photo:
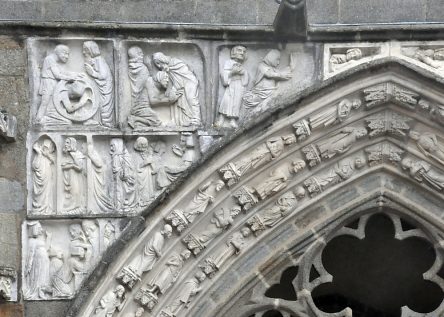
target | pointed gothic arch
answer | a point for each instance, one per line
(292, 181)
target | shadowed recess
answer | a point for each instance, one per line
(284, 289)
(379, 274)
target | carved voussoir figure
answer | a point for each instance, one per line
(264, 153)
(221, 221)
(423, 171)
(267, 77)
(331, 116)
(271, 216)
(342, 171)
(145, 261)
(180, 219)
(43, 177)
(235, 79)
(431, 57)
(235, 245)
(163, 280)
(189, 289)
(337, 144)
(111, 302)
(428, 144)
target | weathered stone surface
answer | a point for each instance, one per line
(11, 195)
(9, 241)
(39, 309)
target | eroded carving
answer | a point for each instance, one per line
(331, 116)
(388, 122)
(145, 261)
(383, 152)
(111, 302)
(423, 172)
(148, 296)
(383, 93)
(342, 171)
(7, 278)
(273, 148)
(330, 147)
(267, 77)
(189, 289)
(235, 245)
(180, 219)
(428, 144)
(431, 57)
(235, 80)
(8, 126)
(221, 221)
(271, 216)
(338, 61)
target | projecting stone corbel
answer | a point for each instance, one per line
(8, 126)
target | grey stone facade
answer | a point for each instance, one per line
(273, 128)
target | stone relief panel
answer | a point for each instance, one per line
(248, 77)
(427, 54)
(99, 175)
(164, 84)
(72, 83)
(58, 255)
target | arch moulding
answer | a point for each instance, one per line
(275, 194)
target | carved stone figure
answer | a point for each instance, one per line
(52, 73)
(338, 61)
(111, 302)
(221, 221)
(138, 313)
(184, 81)
(7, 278)
(383, 152)
(141, 112)
(265, 82)
(189, 289)
(99, 70)
(109, 235)
(62, 275)
(185, 149)
(144, 262)
(123, 176)
(278, 179)
(92, 235)
(37, 275)
(100, 191)
(423, 171)
(431, 57)
(74, 169)
(165, 174)
(145, 172)
(388, 122)
(180, 219)
(234, 246)
(43, 177)
(271, 216)
(81, 252)
(428, 144)
(342, 171)
(264, 153)
(8, 126)
(337, 144)
(235, 79)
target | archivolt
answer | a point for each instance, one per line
(353, 140)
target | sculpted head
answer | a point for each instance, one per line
(406, 163)
(414, 135)
(163, 79)
(297, 165)
(245, 232)
(135, 52)
(273, 58)
(62, 53)
(353, 54)
(139, 312)
(48, 146)
(116, 146)
(299, 192)
(359, 162)
(356, 104)
(91, 49)
(160, 60)
(141, 144)
(439, 54)
(239, 53)
(167, 231)
(36, 229)
(185, 254)
(289, 139)
(200, 276)
(361, 132)
(120, 290)
(89, 227)
(70, 145)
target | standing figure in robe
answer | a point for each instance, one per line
(265, 82)
(113, 300)
(423, 171)
(100, 191)
(123, 175)
(43, 177)
(99, 70)
(235, 79)
(341, 142)
(334, 114)
(141, 112)
(183, 79)
(74, 168)
(37, 275)
(428, 144)
(145, 171)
